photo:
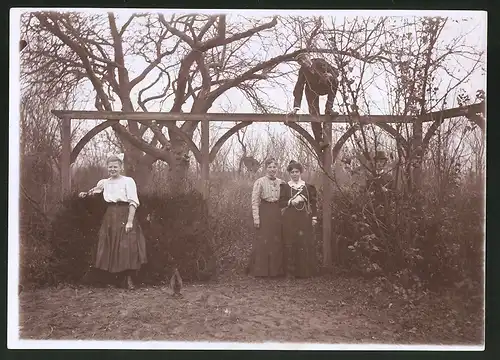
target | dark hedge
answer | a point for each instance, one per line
(177, 234)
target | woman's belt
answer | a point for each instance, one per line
(118, 203)
(269, 202)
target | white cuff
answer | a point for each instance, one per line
(133, 203)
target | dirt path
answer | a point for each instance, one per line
(244, 310)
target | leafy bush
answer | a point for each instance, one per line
(178, 235)
(74, 236)
(35, 252)
(175, 227)
(231, 223)
(442, 245)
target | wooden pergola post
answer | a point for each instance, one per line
(65, 156)
(327, 197)
(205, 158)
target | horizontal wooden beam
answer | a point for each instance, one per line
(240, 117)
(165, 116)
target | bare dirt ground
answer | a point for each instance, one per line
(243, 309)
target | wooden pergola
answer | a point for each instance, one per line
(204, 155)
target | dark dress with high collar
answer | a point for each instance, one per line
(300, 258)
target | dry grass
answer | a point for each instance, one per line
(325, 310)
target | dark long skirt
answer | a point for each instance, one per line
(267, 252)
(118, 251)
(300, 248)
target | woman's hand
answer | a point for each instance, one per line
(314, 221)
(128, 226)
(82, 194)
(256, 224)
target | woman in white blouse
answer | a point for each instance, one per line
(121, 247)
(267, 250)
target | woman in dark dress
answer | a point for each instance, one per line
(121, 247)
(267, 249)
(298, 203)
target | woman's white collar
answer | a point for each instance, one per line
(297, 184)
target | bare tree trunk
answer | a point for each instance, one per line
(139, 170)
(178, 172)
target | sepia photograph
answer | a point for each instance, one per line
(266, 179)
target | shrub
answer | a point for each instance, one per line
(35, 252)
(178, 235)
(440, 246)
(231, 222)
(74, 236)
(175, 227)
(37, 200)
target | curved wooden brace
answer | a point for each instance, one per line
(471, 114)
(477, 115)
(340, 142)
(102, 126)
(191, 145)
(394, 133)
(305, 135)
(218, 145)
(478, 120)
(88, 136)
(431, 132)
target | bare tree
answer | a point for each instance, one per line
(417, 73)
(95, 48)
(188, 59)
(416, 60)
(40, 144)
(247, 159)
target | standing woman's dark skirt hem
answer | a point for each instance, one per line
(267, 251)
(300, 247)
(119, 251)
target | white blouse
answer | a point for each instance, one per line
(297, 186)
(264, 189)
(118, 189)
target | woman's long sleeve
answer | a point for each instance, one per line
(256, 194)
(283, 201)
